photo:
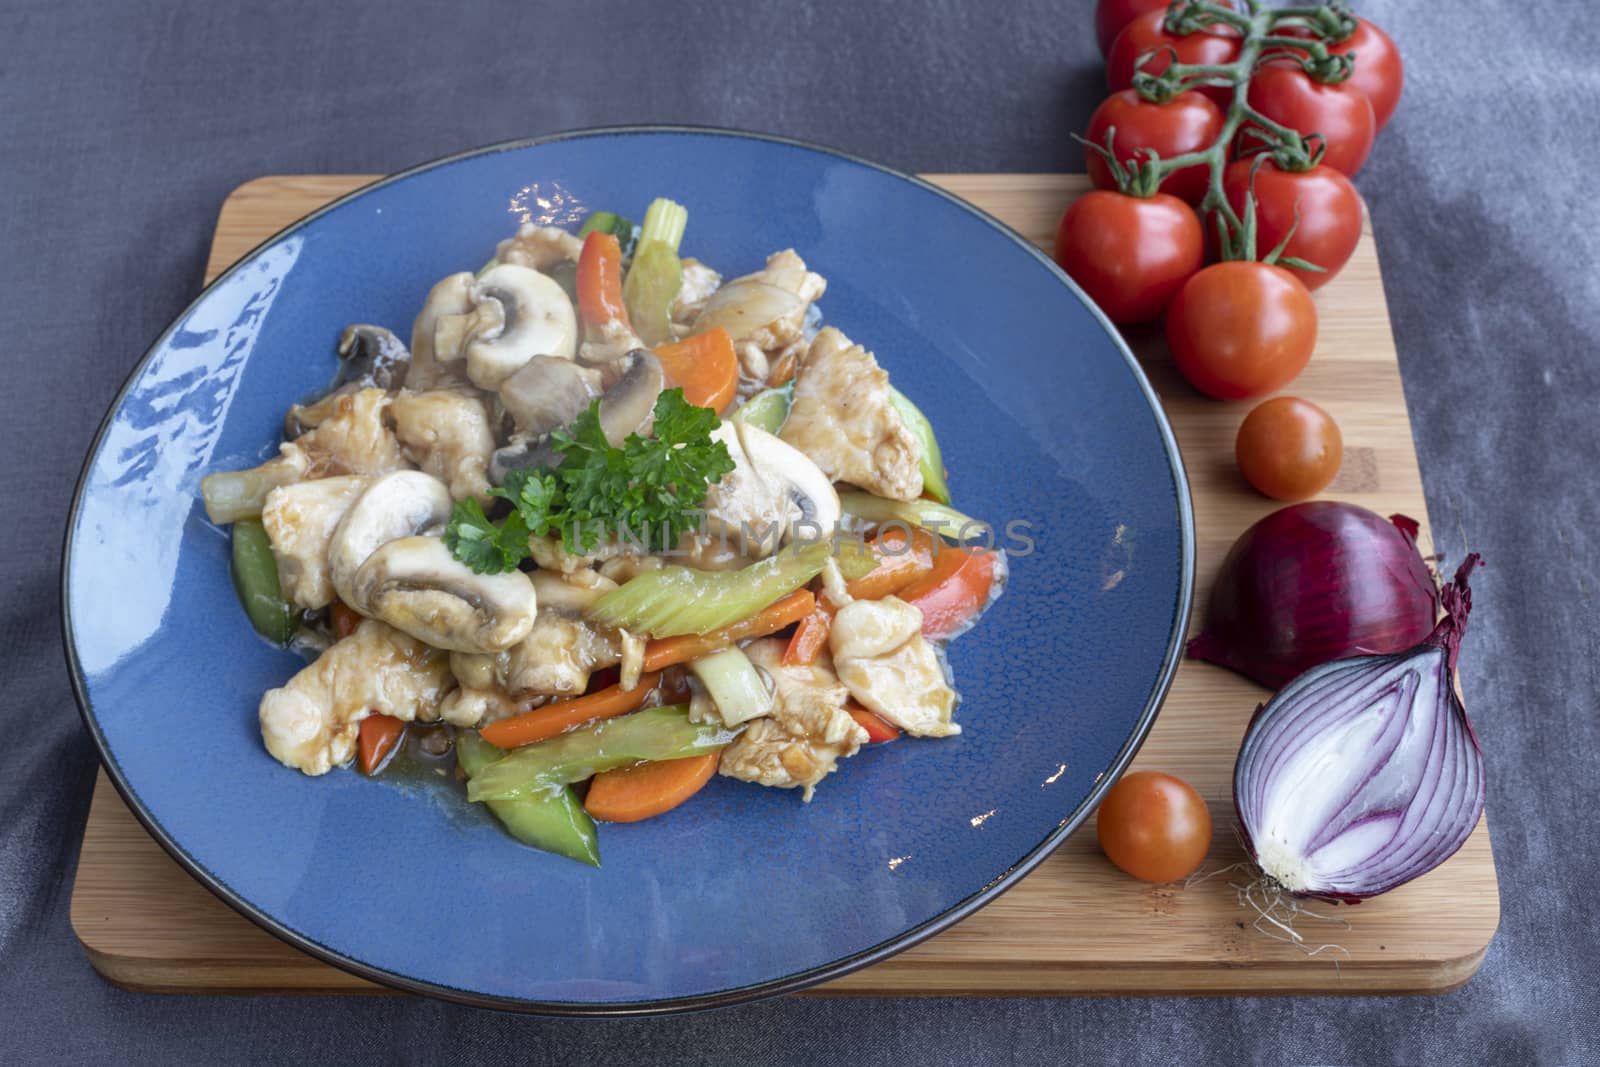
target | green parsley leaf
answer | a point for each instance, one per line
(650, 488)
(480, 544)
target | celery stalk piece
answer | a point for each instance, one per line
(553, 821)
(768, 409)
(938, 518)
(681, 600)
(233, 495)
(932, 459)
(656, 274)
(255, 579)
(734, 684)
(656, 734)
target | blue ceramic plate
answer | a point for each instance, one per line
(1045, 421)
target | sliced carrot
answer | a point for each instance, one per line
(557, 718)
(878, 728)
(630, 794)
(783, 612)
(902, 559)
(782, 371)
(810, 637)
(345, 619)
(705, 366)
(954, 591)
(600, 280)
(379, 738)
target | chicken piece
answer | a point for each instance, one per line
(358, 438)
(560, 653)
(808, 732)
(699, 282)
(311, 723)
(843, 418)
(477, 708)
(539, 247)
(754, 366)
(551, 554)
(446, 432)
(606, 346)
(300, 520)
(786, 270)
(881, 655)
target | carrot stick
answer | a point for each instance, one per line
(345, 619)
(785, 611)
(379, 736)
(543, 723)
(600, 280)
(878, 729)
(810, 637)
(629, 794)
(899, 563)
(955, 590)
(705, 366)
(782, 371)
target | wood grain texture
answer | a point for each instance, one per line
(1075, 925)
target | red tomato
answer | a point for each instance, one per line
(1154, 826)
(1131, 255)
(1320, 207)
(1340, 114)
(1379, 71)
(1288, 448)
(1189, 122)
(1110, 16)
(1148, 34)
(1241, 329)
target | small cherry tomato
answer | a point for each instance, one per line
(1318, 210)
(1379, 71)
(1130, 254)
(1189, 122)
(1340, 115)
(1147, 33)
(1110, 16)
(1154, 827)
(1240, 329)
(1289, 448)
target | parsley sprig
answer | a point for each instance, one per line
(651, 487)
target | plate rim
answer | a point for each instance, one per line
(784, 984)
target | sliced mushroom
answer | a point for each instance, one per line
(627, 407)
(773, 495)
(415, 585)
(516, 314)
(547, 393)
(450, 298)
(396, 505)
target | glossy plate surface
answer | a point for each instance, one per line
(1045, 421)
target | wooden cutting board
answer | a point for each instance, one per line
(1075, 925)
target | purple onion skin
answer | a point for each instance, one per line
(1456, 600)
(1316, 582)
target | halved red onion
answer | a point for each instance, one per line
(1364, 773)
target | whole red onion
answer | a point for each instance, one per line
(1316, 582)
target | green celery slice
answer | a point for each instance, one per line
(932, 459)
(656, 734)
(255, 579)
(930, 515)
(769, 409)
(552, 821)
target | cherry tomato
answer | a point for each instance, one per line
(1241, 329)
(1379, 71)
(1289, 448)
(1148, 34)
(1154, 826)
(1319, 211)
(1189, 122)
(1131, 255)
(1110, 16)
(1340, 114)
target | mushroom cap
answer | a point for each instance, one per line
(396, 505)
(548, 392)
(519, 314)
(415, 585)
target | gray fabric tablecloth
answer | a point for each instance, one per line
(123, 125)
